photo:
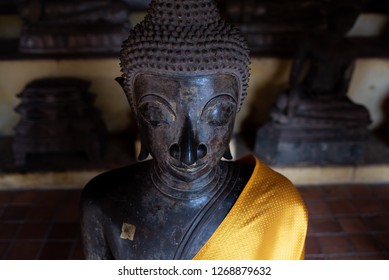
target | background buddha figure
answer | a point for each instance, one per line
(314, 121)
(185, 74)
(321, 73)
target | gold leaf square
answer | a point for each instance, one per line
(128, 231)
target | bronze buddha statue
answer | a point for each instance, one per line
(185, 73)
(319, 91)
(314, 121)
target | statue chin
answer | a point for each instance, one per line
(181, 172)
(189, 173)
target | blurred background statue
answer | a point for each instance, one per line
(314, 120)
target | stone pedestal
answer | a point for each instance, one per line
(58, 116)
(279, 144)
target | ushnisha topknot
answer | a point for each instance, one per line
(184, 37)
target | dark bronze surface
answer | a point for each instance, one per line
(165, 227)
(185, 73)
(176, 200)
(186, 121)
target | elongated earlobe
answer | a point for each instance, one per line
(227, 153)
(144, 151)
(120, 81)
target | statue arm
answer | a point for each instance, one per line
(346, 79)
(297, 66)
(294, 78)
(94, 241)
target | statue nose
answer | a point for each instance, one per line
(188, 150)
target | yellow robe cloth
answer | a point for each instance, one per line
(267, 222)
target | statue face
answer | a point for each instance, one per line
(186, 121)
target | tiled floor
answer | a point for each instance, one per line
(345, 222)
(40, 225)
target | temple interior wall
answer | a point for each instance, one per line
(269, 77)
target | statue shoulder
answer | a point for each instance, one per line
(113, 182)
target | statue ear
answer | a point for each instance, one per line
(227, 154)
(120, 81)
(144, 152)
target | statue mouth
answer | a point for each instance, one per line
(186, 181)
(194, 168)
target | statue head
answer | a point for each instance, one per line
(185, 74)
(342, 16)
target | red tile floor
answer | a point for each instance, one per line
(345, 222)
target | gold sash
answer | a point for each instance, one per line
(267, 222)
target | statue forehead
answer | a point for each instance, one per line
(185, 86)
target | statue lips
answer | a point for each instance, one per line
(189, 172)
(194, 168)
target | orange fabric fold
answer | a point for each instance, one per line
(267, 222)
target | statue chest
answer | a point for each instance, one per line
(155, 227)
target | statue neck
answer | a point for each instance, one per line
(204, 186)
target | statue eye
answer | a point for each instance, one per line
(156, 114)
(219, 111)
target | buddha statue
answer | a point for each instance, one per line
(185, 74)
(319, 80)
(314, 121)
